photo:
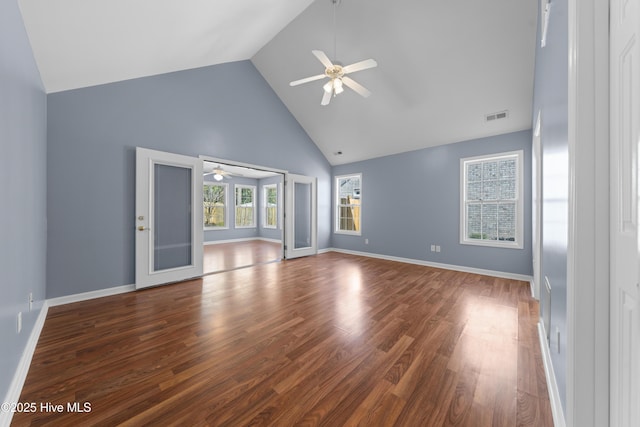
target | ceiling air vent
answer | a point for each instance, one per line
(496, 116)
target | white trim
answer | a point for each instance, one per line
(225, 185)
(532, 286)
(464, 269)
(245, 239)
(84, 296)
(15, 389)
(552, 385)
(587, 322)
(263, 207)
(254, 205)
(519, 201)
(241, 164)
(336, 230)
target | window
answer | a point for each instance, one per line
(245, 206)
(270, 205)
(491, 200)
(215, 206)
(348, 204)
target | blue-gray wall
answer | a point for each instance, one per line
(412, 200)
(23, 211)
(551, 92)
(225, 111)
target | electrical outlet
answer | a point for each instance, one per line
(366, 241)
(437, 248)
(433, 248)
(19, 323)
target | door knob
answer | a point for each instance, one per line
(142, 228)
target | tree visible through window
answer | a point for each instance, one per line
(270, 206)
(215, 205)
(491, 200)
(245, 206)
(348, 204)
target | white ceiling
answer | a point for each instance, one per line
(442, 65)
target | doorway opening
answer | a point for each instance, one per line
(243, 215)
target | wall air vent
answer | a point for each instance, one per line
(496, 116)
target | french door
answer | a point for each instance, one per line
(300, 216)
(168, 217)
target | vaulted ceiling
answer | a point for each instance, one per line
(442, 66)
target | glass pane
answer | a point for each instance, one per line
(507, 189)
(474, 191)
(490, 190)
(474, 172)
(490, 221)
(507, 222)
(302, 218)
(474, 221)
(214, 205)
(507, 168)
(245, 207)
(173, 243)
(489, 170)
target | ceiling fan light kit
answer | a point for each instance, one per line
(336, 73)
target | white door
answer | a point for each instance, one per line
(625, 243)
(300, 216)
(168, 217)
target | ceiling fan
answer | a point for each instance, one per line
(336, 73)
(219, 174)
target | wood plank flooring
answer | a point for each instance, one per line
(330, 340)
(232, 255)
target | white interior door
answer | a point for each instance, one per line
(300, 216)
(168, 217)
(625, 243)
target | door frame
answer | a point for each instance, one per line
(290, 250)
(282, 200)
(587, 397)
(145, 225)
(536, 214)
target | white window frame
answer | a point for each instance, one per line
(519, 200)
(265, 206)
(226, 206)
(336, 181)
(235, 205)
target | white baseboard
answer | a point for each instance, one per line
(244, 239)
(501, 274)
(13, 394)
(90, 295)
(552, 385)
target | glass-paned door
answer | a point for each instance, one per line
(168, 217)
(301, 230)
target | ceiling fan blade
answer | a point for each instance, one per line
(356, 86)
(359, 66)
(322, 57)
(307, 80)
(326, 98)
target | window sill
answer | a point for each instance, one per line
(493, 244)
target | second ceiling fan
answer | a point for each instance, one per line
(336, 73)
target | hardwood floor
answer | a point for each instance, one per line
(228, 256)
(327, 340)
